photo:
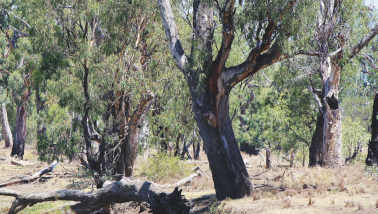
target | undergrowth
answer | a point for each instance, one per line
(163, 167)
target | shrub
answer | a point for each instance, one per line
(163, 167)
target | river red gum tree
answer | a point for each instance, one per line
(210, 98)
(327, 140)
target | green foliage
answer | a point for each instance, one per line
(372, 171)
(42, 207)
(162, 166)
(353, 135)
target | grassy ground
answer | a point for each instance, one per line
(307, 190)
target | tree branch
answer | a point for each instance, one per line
(309, 53)
(219, 63)
(364, 41)
(367, 57)
(16, 17)
(172, 35)
(317, 99)
(235, 74)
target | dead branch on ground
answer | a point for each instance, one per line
(259, 173)
(182, 182)
(32, 177)
(268, 185)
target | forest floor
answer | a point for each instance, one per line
(347, 189)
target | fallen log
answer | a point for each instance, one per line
(32, 177)
(121, 191)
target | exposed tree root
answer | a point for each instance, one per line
(32, 177)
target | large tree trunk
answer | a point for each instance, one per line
(316, 149)
(20, 136)
(372, 157)
(332, 140)
(229, 173)
(5, 124)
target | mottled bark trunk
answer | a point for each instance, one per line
(5, 125)
(268, 161)
(292, 158)
(332, 140)
(316, 148)
(372, 157)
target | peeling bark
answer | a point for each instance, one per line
(268, 162)
(5, 125)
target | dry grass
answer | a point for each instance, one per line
(286, 203)
(351, 190)
(350, 204)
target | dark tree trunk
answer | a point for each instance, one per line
(229, 174)
(20, 136)
(304, 157)
(94, 149)
(316, 148)
(8, 138)
(372, 157)
(197, 153)
(194, 150)
(177, 149)
(40, 104)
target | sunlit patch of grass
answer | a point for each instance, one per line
(41, 207)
